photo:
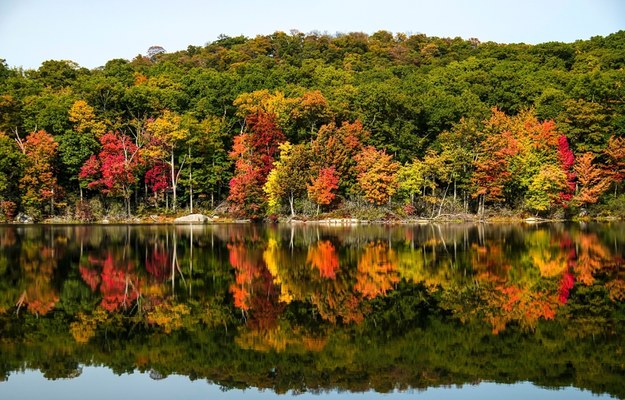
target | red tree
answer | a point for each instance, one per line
(254, 152)
(321, 188)
(158, 179)
(114, 171)
(491, 168)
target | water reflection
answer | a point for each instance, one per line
(347, 299)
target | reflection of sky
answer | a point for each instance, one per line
(100, 383)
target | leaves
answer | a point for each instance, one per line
(254, 153)
(377, 174)
(593, 180)
(39, 183)
(321, 187)
(114, 170)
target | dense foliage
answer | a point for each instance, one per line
(429, 125)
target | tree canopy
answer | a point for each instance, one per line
(425, 101)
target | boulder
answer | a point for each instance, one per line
(192, 219)
(24, 219)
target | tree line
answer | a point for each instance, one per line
(300, 124)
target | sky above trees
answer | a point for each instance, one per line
(93, 32)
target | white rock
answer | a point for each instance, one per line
(192, 218)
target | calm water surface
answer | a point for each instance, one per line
(433, 311)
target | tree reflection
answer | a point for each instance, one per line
(172, 277)
(114, 277)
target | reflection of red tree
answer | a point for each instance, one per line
(254, 290)
(567, 281)
(566, 284)
(90, 276)
(245, 270)
(117, 283)
(158, 264)
(323, 256)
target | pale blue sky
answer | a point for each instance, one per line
(91, 32)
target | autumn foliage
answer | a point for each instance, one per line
(254, 153)
(377, 174)
(321, 188)
(114, 171)
(39, 183)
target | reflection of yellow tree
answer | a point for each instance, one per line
(38, 264)
(417, 265)
(546, 254)
(274, 258)
(168, 316)
(377, 270)
(280, 338)
(84, 328)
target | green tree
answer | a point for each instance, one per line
(209, 157)
(11, 169)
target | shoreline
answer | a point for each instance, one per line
(207, 220)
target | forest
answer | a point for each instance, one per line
(293, 125)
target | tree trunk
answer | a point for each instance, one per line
(291, 199)
(440, 208)
(190, 184)
(454, 190)
(173, 182)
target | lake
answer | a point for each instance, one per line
(350, 312)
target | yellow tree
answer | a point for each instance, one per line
(288, 177)
(267, 102)
(164, 135)
(545, 188)
(82, 116)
